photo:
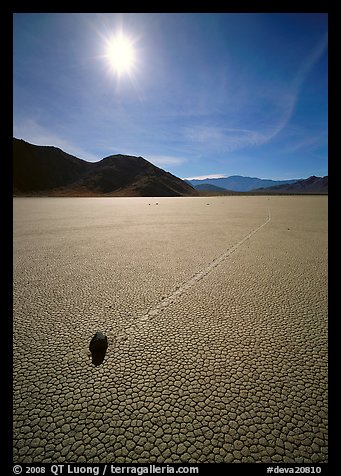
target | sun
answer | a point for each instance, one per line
(121, 54)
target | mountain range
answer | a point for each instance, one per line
(238, 183)
(312, 184)
(47, 170)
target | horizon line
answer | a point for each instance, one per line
(217, 176)
(196, 177)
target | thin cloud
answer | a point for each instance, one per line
(166, 160)
(311, 60)
(203, 177)
(281, 102)
(228, 139)
(32, 132)
(302, 140)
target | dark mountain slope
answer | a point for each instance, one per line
(38, 168)
(50, 171)
(122, 173)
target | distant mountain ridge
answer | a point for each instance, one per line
(207, 187)
(238, 183)
(312, 184)
(47, 170)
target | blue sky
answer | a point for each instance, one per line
(207, 95)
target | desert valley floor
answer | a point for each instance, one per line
(215, 309)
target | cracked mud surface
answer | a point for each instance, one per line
(216, 319)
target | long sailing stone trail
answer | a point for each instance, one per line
(166, 301)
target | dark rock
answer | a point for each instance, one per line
(99, 341)
(98, 347)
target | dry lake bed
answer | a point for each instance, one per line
(215, 310)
